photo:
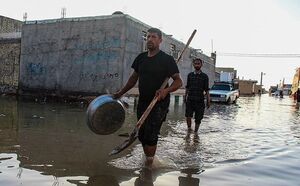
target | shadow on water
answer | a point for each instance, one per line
(50, 144)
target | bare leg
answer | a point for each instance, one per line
(149, 152)
(189, 123)
(197, 125)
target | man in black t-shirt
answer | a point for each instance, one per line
(151, 68)
(196, 88)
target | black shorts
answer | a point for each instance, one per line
(149, 131)
(196, 107)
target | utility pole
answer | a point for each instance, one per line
(63, 12)
(261, 79)
(25, 17)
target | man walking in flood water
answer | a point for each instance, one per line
(151, 68)
(196, 88)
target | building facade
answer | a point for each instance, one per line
(247, 87)
(90, 55)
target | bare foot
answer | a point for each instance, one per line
(189, 130)
(149, 162)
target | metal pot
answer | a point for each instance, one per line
(105, 115)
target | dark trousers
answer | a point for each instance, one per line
(196, 107)
(149, 131)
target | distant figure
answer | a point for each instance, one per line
(281, 94)
(196, 88)
(298, 98)
(151, 68)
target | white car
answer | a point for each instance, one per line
(223, 92)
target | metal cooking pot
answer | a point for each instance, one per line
(105, 115)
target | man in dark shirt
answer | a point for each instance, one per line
(151, 68)
(196, 88)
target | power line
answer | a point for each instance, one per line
(259, 55)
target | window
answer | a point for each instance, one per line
(173, 51)
(144, 44)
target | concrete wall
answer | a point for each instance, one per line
(9, 65)
(72, 55)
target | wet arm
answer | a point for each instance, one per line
(207, 99)
(176, 84)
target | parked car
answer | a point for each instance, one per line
(276, 93)
(223, 92)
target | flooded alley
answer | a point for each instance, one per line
(253, 142)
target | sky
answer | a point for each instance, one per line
(232, 28)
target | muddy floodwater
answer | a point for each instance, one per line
(253, 142)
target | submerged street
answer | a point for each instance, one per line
(253, 142)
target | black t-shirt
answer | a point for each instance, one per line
(152, 72)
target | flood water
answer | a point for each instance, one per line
(253, 142)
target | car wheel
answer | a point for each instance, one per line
(229, 100)
(234, 101)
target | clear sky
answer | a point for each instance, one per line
(224, 26)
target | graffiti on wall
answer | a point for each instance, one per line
(35, 69)
(87, 58)
(97, 77)
(100, 56)
(99, 45)
(75, 43)
(106, 56)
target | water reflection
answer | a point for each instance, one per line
(145, 178)
(102, 180)
(50, 144)
(189, 180)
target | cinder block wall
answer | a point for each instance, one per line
(9, 65)
(8, 25)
